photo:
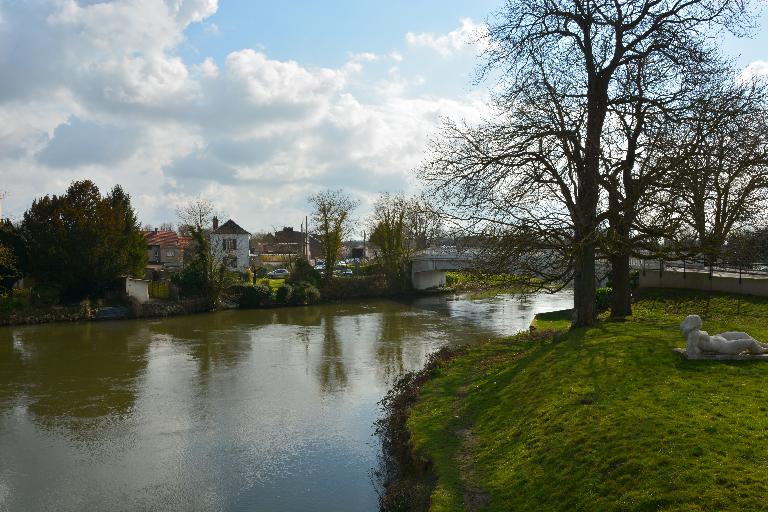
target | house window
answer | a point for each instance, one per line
(230, 261)
(230, 244)
(170, 254)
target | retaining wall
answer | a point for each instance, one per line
(693, 280)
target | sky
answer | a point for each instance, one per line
(253, 105)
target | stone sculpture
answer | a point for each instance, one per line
(726, 345)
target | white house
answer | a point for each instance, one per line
(230, 244)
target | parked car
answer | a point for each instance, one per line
(345, 272)
(279, 273)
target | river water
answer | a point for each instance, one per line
(254, 410)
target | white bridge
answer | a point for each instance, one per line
(428, 267)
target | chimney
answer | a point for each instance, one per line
(215, 222)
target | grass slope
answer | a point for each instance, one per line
(605, 419)
(482, 286)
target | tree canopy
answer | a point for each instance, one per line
(331, 223)
(80, 242)
(583, 87)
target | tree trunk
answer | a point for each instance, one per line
(621, 299)
(587, 197)
(584, 286)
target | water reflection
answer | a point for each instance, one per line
(332, 371)
(214, 341)
(75, 371)
(240, 410)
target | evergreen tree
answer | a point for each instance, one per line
(80, 242)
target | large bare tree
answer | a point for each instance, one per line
(718, 164)
(207, 269)
(331, 223)
(535, 172)
(400, 226)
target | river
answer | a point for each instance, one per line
(253, 410)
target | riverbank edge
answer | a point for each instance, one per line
(85, 313)
(164, 309)
(405, 477)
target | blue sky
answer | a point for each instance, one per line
(251, 104)
(324, 33)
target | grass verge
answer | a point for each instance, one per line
(607, 418)
(482, 286)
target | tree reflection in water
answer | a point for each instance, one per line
(332, 371)
(216, 340)
(71, 377)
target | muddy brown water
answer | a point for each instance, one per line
(241, 410)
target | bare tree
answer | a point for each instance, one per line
(423, 224)
(561, 61)
(718, 164)
(387, 226)
(331, 223)
(197, 214)
(649, 99)
(195, 220)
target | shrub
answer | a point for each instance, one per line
(304, 293)
(236, 291)
(23, 296)
(191, 280)
(603, 298)
(45, 296)
(283, 294)
(8, 303)
(303, 272)
(368, 269)
(355, 287)
(312, 294)
(257, 296)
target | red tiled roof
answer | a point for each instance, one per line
(164, 238)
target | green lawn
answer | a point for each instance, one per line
(482, 286)
(273, 284)
(605, 419)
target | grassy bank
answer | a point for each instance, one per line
(479, 286)
(605, 418)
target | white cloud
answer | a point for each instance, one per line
(470, 36)
(758, 68)
(77, 143)
(97, 90)
(208, 68)
(267, 81)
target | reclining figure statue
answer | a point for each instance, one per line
(730, 343)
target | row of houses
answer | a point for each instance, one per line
(167, 251)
